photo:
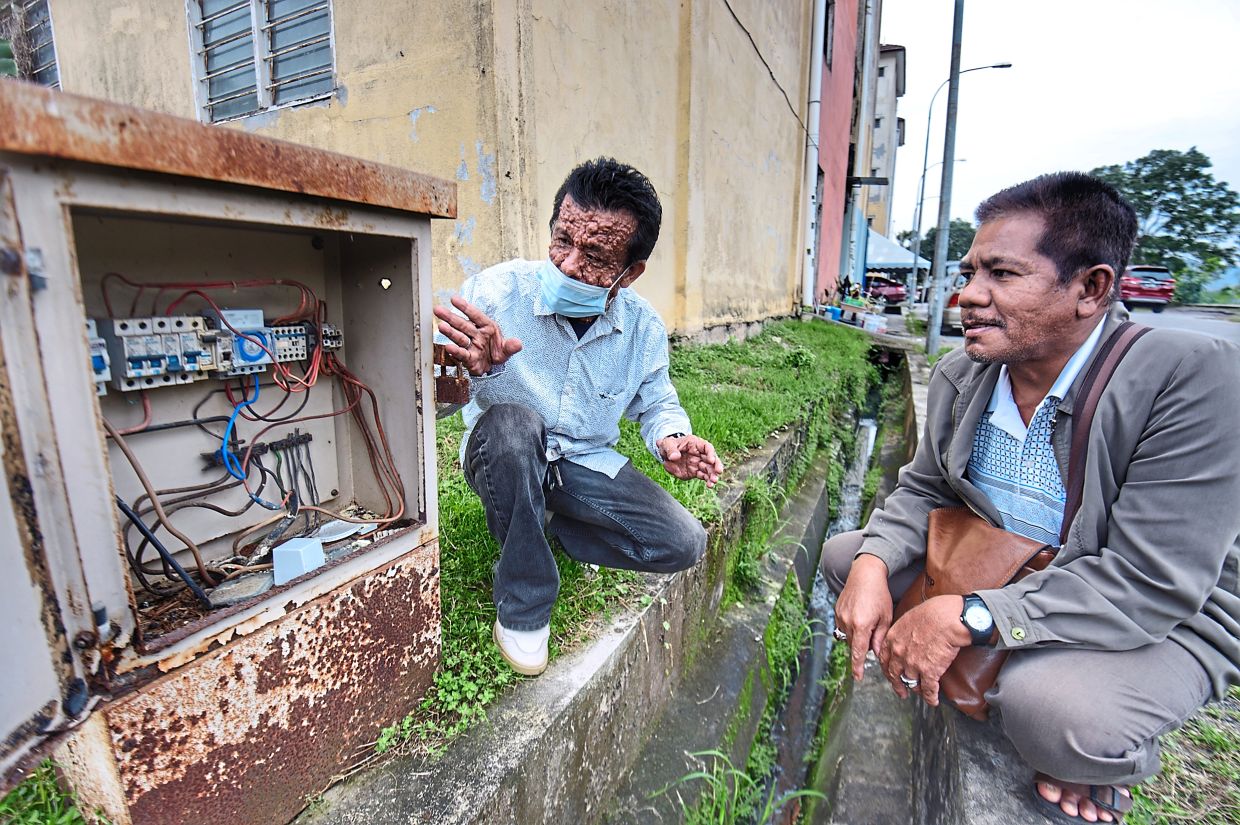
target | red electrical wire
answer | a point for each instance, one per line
(146, 416)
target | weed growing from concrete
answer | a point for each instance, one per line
(39, 800)
(730, 794)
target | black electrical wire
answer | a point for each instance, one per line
(195, 500)
(163, 552)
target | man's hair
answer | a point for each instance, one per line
(1087, 222)
(608, 184)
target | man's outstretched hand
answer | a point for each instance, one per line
(863, 610)
(688, 456)
(476, 340)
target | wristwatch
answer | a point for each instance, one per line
(976, 617)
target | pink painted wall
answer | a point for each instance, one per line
(835, 129)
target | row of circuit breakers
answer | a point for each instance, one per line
(145, 353)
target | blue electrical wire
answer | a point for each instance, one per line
(231, 464)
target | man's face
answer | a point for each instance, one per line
(1013, 308)
(592, 245)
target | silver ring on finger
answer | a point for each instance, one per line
(909, 683)
(839, 635)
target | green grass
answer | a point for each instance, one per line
(39, 801)
(731, 795)
(1200, 778)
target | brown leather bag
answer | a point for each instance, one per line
(965, 553)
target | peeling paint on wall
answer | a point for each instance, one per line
(413, 118)
(464, 230)
(342, 94)
(444, 296)
(469, 266)
(486, 171)
(462, 171)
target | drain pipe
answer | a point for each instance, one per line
(809, 271)
(865, 134)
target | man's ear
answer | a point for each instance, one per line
(1097, 290)
(635, 272)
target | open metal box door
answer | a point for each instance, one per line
(43, 689)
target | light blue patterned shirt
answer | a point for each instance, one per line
(1015, 465)
(580, 387)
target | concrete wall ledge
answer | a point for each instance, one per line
(556, 747)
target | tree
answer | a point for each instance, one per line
(1188, 221)
(959, 238)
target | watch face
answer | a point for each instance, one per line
(977, 617)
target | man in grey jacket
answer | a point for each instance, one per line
(1136, 623)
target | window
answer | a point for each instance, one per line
(252, 55)
(829, 34)
(27, 24)
(882, 70)
(878, 123)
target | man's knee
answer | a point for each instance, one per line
(837, 558)
(681, 546)
(1055, 717)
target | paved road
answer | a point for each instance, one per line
(1223, 324)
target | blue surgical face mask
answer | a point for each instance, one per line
(574, 299)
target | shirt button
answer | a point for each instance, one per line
(1018, 633)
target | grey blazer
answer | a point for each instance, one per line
(1154, 551)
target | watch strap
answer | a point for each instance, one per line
(979, 637)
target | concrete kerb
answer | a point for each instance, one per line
(557, 746)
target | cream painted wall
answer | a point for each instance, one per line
(132, 51)
(505, 96)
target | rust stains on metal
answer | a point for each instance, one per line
(249, 732)
(451, 379)
(39, 121)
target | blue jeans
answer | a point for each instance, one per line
(627, 522)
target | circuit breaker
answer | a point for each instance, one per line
(224, 545)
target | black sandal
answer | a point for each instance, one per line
(1106, 797)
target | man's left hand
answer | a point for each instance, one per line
(688, 456)
(922, 644)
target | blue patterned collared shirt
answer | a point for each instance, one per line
(580, 387)
(1015, 465)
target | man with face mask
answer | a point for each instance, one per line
(558, 351)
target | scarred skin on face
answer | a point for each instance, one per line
(592, 245)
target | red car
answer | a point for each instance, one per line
(1148, 285)
(892, 292)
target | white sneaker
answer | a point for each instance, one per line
(525, 651)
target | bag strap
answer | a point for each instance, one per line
(1112, 352)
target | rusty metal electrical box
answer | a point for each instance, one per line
(217, 411)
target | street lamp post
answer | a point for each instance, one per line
(921, 188)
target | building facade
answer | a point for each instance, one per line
(888, 136)
(859, 135)
(505, 97)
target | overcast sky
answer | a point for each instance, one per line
(1093, 82)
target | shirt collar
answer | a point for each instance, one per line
(1004, 413)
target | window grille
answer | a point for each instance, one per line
(252, 55)
(28, 25)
